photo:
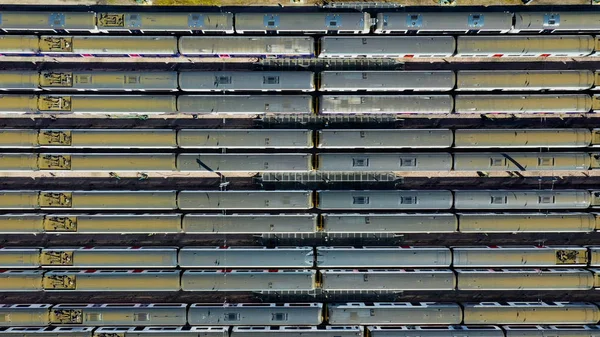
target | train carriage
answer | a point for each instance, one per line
(107, 104)
(573, 222)
(243, 139)
(524, 80)
(109, 257)
(519, 256)
(520, 161)
(303, 23)
(524, 279)
(89, 223)
(378, 104)
(544, 330)
(109, 45)
(240, 46)
(249, 280)
(380, 162)
(47, 331)
(387, 47)
(398, 313)
(521, 199)
(249, 223)
(387, 279)
(522, 104)
(383, 139)
(443, 22)
(390, 223)
(20, 280)
(82, 21)
(108, 80)
(396, 200)
(238, 200)
(24, 315)
(435, 331)
(293, 162)
(112, 280)
(256, 314)
(386, 80)
(118, 314)
(244, 104)
(525, 46)
(99, 200)
(297, 331)
(96, 162)
(522, 138)
(531, 313)
(383, 257)
(210, 81)
(556, 22)
(194, 22)
(246, 257)
(163, 331)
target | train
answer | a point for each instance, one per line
(298, 139)
(299, 81)
(295, 200)
(116, 105)
(301, 162)
(299, 223)
(327, 47)
(301, 280)
(300, 314)
(292, 258)
(359, 23)
(308, 331)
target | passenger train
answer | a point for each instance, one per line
(298, 138)
(434, 46)
(292, 258)
(355, 200)
(300, 81)
(300, 314)
(404, 22)
(115, 105)
(301, 162)
(308, 331)
(328, 280)
(299, 223)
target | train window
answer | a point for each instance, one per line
(408, 200)
(408, 161)
(546, 161)
(364, 41)
(141, 317)
(223, 80)
(360, 162)
(546, 199)
(499, 200)
(232, 316)
(372, 312)
(270, 79)
(279, 316)
(93, 317)
(360, 200)
(271, 23)
(364, 76)
(3, 318)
